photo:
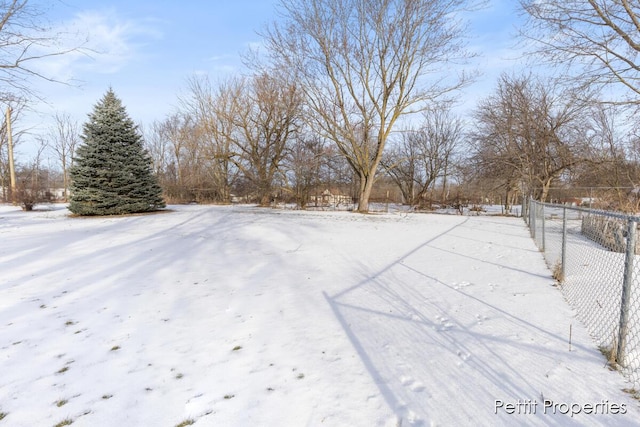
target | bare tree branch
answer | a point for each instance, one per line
(598, 41)
(364, 64)
(25, 40)
(530, 132)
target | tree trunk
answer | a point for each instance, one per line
(265, 201)
(444, 185)
(366, 185)
(545, 190)
(507, 199)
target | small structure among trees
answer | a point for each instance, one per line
(112, 171)
(331, 197)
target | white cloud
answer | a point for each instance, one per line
(217, 58)
(114, 42)
(106, 42)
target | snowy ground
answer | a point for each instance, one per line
(239, 316)
(593, 282)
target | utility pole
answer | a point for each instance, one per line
(12, 169)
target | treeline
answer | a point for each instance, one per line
(530, 138)
(244, 139)
(247, 140)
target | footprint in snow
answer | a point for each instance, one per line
(411, 418)
(444, 324)
(481, 318)
(462, 284)
(417, 387)
(463, 355)
(406, 381)
(415, 317)
(412, 384)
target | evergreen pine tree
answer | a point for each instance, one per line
(112, 172)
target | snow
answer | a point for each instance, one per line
(240, 316)
(593, 285)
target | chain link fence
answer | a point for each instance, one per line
(593, 255)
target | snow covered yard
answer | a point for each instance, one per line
(239, 316)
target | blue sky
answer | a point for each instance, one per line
(147, 49)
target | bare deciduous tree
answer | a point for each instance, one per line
(423, 156)
(179, 139)
(17, 108)
(611, 169)
(530, 132)
(264, 121)
(159, 150)
(32, 182)
(363, 64)
(63, 139)
(304, 165)
(212, 109)
(599, 39)
(24, 40)
(401, 163)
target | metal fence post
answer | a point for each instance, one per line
(563, 256)
(543, 230)
(533, 208)
(626, 291)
